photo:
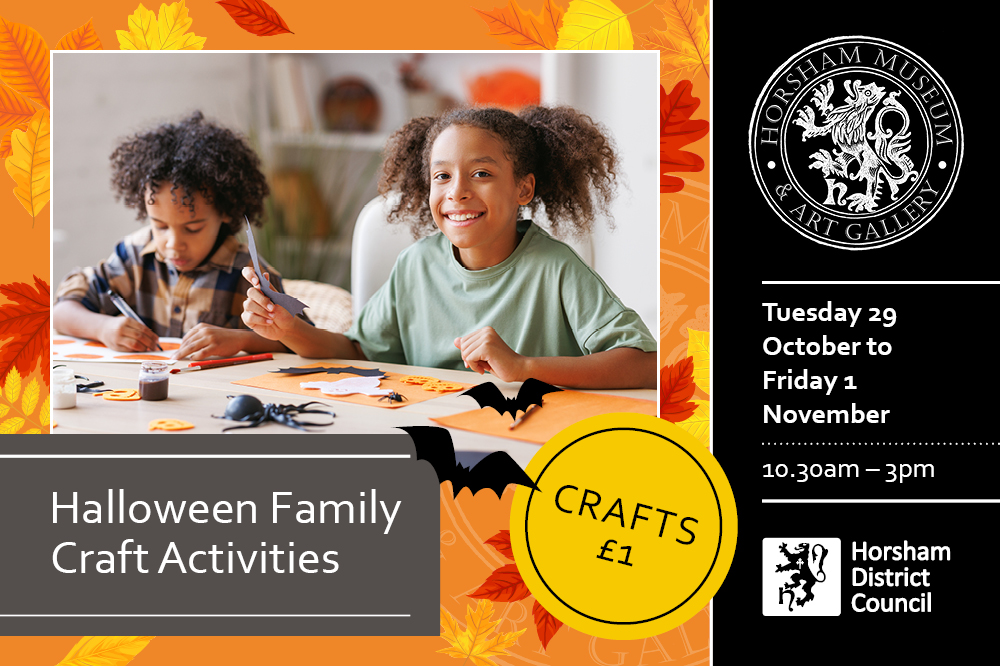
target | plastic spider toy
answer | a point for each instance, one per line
(250, 409)
(392, 397)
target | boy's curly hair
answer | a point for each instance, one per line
(194, 155)
(572, 157)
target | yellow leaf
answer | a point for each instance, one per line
(684, 46)
(449, 626)
(698, 348)
(43, 414)
(30, 398)
(594, 24)
(697, 423)
(168, 31)
(498, 645)
(33, 431)
(474, 644)
(11, 426)
(105, 650)
(3, 410)
(12, 386)
(28, 163)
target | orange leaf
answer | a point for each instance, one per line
(83, 38)
(24, 325)
(501, 541)
(24, 61)
(676, 131)
(14, 109)
(546, 624)
(256, 16)
(676, 388)
(504, 584)
(523, 28)
(5, 149)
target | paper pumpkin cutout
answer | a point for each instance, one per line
(442, 387)
(121, 394)
(293, 305)
(365, 385)
(332, 370)
(417, 380)
(169, 424)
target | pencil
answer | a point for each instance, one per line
(126, 310)
(221, 363)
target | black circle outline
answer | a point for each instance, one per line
(527, 512)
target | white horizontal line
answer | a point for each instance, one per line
(880, 501)
(207, 455)
(219, 615)
(765, 282)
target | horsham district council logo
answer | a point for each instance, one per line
(856, 142)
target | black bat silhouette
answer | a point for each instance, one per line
(495, 471)
(488, 395)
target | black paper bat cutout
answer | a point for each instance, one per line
(495, 471)
(361, 372)
(488, 395)
(293, 305)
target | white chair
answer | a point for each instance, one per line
(377, 243)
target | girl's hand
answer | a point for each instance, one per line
(124, 334)
(261, 315)
(205, 340)
(485, 351)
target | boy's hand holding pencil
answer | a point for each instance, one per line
(125, 334)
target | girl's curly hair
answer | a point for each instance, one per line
(194, 155)
(572, 157)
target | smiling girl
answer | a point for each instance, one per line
(194, 181)
(492, 292)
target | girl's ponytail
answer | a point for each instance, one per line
(403, 170)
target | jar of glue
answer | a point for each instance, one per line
(63, 388)
(154, 378)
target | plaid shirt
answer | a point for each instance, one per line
(169, 302)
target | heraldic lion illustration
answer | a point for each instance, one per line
(886, 160)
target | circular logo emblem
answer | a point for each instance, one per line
(632, 530)
(856, 142)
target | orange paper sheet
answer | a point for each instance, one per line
(290, 384)
(558, 411)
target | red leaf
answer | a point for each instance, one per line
(501, 541)
(504, 584)
(256, 16)
(676, 388)
(676, 131)
(545, 624)
(24, 324)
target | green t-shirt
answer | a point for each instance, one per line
(543, 300)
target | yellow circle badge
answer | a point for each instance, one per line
(632, 529)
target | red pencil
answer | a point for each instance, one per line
(221, 363)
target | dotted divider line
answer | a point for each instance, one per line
(880, 443)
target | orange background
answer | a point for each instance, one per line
(684, 291)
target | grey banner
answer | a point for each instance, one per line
(354, 553)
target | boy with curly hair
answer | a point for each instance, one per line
(195, 181)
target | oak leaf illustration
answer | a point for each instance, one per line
(523, 28)
(83, 38)
(28, 163)
(698, 348)
(684, 45)
(504, 584)
(256, 16)
(676, 389)
(24, 61)
(14, 108)
(594, 24)
(24, 328)
(546, 623)
(167, 31)
(501, 541)
(105, 650)
(475, 644)
(677, 130)
(697, 424)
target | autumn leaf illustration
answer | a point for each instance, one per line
(677, 130)
(684, 45)
(504, 584)
(474, 644)
(546, 624)
(43, 413)
(697, 424)
(523, 28)
(14, 109)
(12, 386)
(256, 16)
(501, 541)
(83, 38)
(5, 147)
(167, 31)
(594, 24)
(24, 61)
(698, 348)
(28, 164)
(105, 650)
(676, 389)
(24, 328)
